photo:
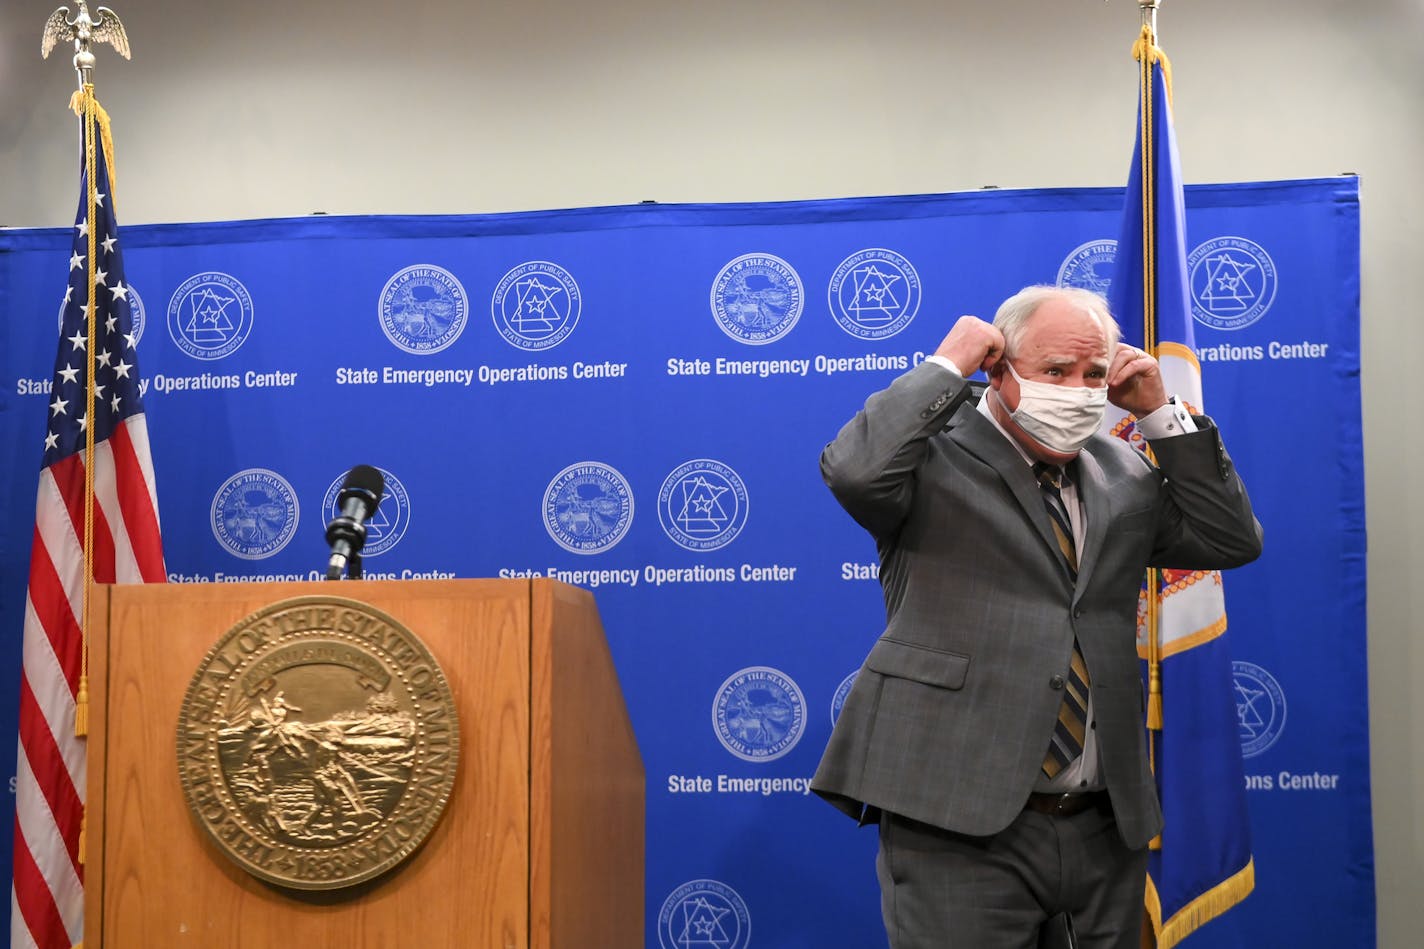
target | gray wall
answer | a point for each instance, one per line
(261, 108)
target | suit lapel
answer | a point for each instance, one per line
(978, 436)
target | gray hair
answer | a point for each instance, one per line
(1014, 313)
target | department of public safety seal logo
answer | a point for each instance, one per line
(842, 692)
(757, 299)
(254, 513)
(137, 317)
(536, 305)
(318, 743)
(702, 505)
(385, 527)
(1089, 266)
(423, 309)
(588, 507)
(704, 914)
(874, 293)
(1260, 707)
(1233, 282)
(759, 714)
(210, 315)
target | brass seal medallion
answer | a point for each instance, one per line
(317, 743)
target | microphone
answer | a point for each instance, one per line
(359, 497)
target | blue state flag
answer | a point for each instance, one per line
(1201, 865)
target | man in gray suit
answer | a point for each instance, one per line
(995, 731)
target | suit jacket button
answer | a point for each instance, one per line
(1056, 683)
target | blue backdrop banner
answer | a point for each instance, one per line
(634, 400)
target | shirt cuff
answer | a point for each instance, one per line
(1170, 419)
(944, 361)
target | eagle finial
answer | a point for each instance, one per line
(84, 30)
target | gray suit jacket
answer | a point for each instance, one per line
(951, 714)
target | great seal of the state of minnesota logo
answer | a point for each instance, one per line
(759, 713)
(318, 743)
(423, 309)
(588, 507)
(757, 299)
(1089, 266)
(255, 513)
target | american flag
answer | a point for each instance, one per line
(47, 899)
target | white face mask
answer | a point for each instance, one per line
(1061, 418)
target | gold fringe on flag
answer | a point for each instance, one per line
(1201, 910)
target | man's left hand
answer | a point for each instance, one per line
(1135, 381)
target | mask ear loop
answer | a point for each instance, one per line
(1008, 412)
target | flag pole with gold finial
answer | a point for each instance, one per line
(1146, 52)
(86, 31)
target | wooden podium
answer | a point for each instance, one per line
(540, 845)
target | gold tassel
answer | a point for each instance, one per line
(1146, 45)
(106, 133)
(1154, 695)
(83, 835)
(81, 708)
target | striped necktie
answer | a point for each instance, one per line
(1050, 478)
(1069, 732)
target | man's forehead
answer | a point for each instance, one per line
(1066, 335)
(1059, 359)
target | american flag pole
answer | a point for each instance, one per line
(81, 706)
(85, 31)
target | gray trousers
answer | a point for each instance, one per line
(942, 890)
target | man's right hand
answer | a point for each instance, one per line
(972, 345)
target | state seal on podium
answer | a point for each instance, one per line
(318, 743)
